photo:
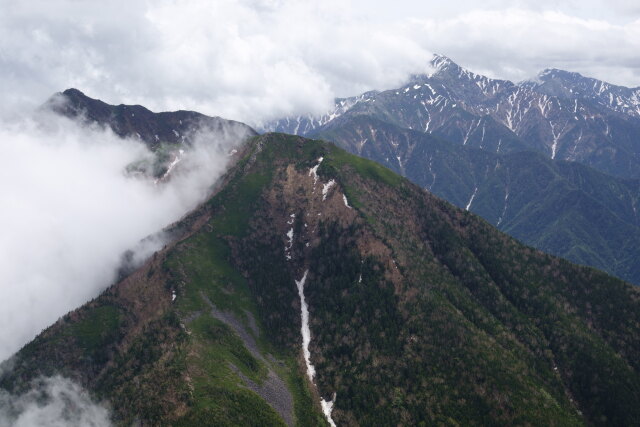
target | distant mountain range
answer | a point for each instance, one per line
(318, 288)
(560, 114)
(550, 161)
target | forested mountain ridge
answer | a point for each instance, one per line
(563, 208)
(417, 312)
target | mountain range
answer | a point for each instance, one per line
(560, 114)
(492, 146)
(315, 287)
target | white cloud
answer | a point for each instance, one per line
(253, 60)
(242, 59)
(52, 402)
(518, 43)
(69, 213)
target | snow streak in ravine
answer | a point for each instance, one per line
(327, 406)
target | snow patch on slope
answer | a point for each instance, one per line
(306, 332)
(327, 406)
(289, 245)
(473, 196)
(346, 202)
(176, 159)
(326, 187)
(314, 171)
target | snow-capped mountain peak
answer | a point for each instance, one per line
(561, 114)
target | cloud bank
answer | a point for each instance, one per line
(254, 60)
(52, 402)
(518, 43)
(247, 60)
(70, 212)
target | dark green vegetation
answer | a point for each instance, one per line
(563, 208)
(420, 313)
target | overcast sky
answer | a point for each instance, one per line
(257, 59)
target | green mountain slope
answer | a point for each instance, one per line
(563, 208)
(419, 313)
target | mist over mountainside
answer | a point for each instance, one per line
(563, 115)
(83, 203)
(167, 134)
(317, 287)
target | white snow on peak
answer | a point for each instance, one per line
(326, 187)
(556, 136)
(346, 202)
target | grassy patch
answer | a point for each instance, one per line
(222, 346)
(223, 407)
(238, 202)
(303, 405)
(366, 168)
(204, 261)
